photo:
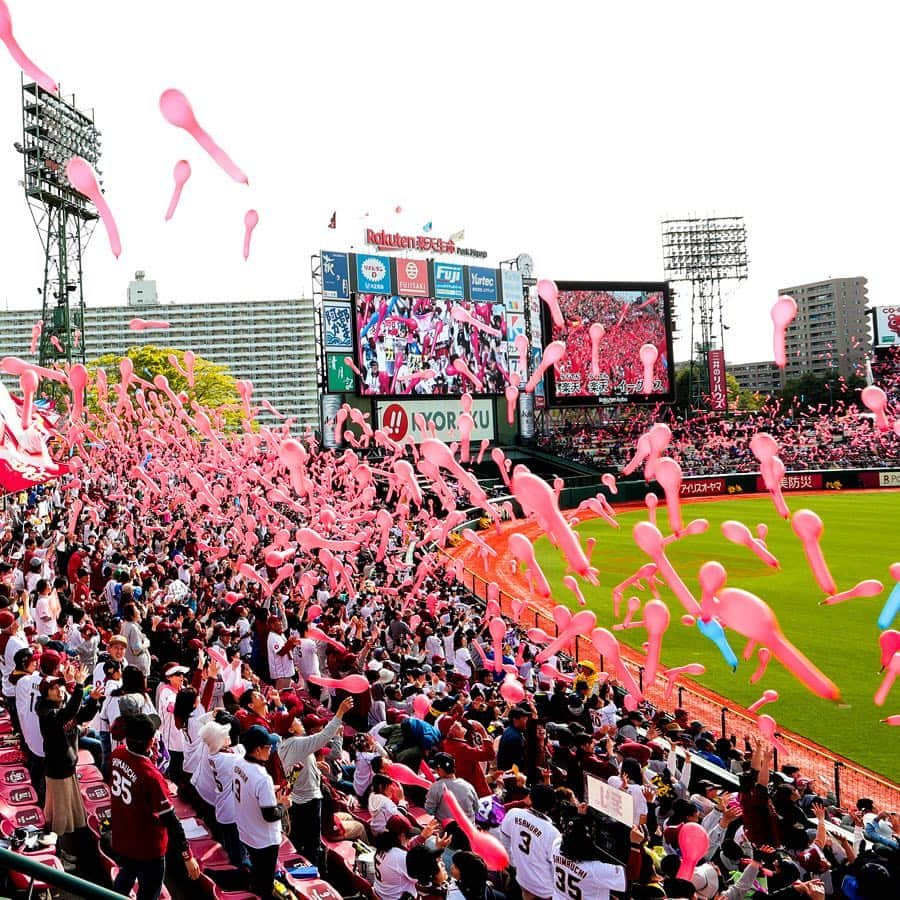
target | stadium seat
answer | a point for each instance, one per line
(12, 756)
(96, 799)
(22, 883)
(88, 773)
(17, 796)
(14, 775)
(21, 817)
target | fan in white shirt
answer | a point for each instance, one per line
(530, 838)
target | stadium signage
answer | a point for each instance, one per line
(448, 281)
(398, 419)
(387, 240)
(702, 487)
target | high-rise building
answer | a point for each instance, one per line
(272, 343)
(831, 332)
(760, 377)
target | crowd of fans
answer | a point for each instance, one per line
(839, 435)
(179, 620)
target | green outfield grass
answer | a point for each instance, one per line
(862, 538)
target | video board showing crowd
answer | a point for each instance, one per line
(412, 326)
(632, 314)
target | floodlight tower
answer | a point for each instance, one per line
(707, 253)
(54, 131)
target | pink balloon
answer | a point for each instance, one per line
(177, 111)
(511, 690)
(893, 670)
(870, 587)
(549, 293)
(809, 528)
(231, 597)
(609, 480)
(28, 382)
(750, 616)
(251, 220)
(522, 551)
(596, 333)
(656, 621)
(875, 400)
(889, 642)
(767, 697)
(16, 52)
(739, 533)
(549, 672)
(421, 706)
(83, 179)
(483, 844)
(648, 355)
(608, 647)
(512, 395)
(783, 313)
(78, 377)
(764, 655)
(582, 622)
(693, 842)
(497, 628)
(38, 327)
(570, 583)
(891, 720)
(767, 728)
(461, 314)
(182, 173)
(147, 324)
(668, 473)
(553, 353)
(672, 675)
(517, 606)
(352, 684)
(404, 775)
(461, 367)
(648, 537)
(537, 498)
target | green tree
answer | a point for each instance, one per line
(214, 386)
(738, 397)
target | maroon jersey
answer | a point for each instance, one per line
(139, 798)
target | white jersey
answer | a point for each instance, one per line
(280, 666)
(172, 736)
(191, 736)
(530, 839)
(27, 695)
(254, 789)
(391, 877)
(589, 878)
(8, 662)
(222, 766)
(307, 657)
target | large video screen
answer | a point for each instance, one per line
(411, 346)
(632, 314)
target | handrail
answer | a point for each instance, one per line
(19, 862)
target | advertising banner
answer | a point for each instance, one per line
(889, 479)
(335, 276)
(796, 481)
(887, 326)
(373, 274)
(703, 487)
(482, 285)
(412, 277)
(448, 281)
(718, 389)
(397, 418)
(331, 404)
(337, 323)
(340, 376)
(526, 415)
(513, 294)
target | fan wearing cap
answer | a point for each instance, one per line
(143, 820)
(470, 746)
(577, 870)
(445, 768)
(64, 807)
(28, 699)
(11, 642)
(260, 808)
(529, 836)
(297, 753)
(173, 737)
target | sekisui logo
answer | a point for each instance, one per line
(373, 268)
(395, 422)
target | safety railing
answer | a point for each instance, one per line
(38, 872)
(840, 777)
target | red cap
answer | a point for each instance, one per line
(312, 721)
(281, 723)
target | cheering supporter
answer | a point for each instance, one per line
(256, 677)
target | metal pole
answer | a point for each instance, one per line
(72, 884)
(724, 726)
(837, 782)
(641, 677)
(680, 696)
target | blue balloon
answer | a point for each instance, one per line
(714, 631)
(374, 317)
(891, 608)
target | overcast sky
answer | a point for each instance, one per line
(567, 130)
